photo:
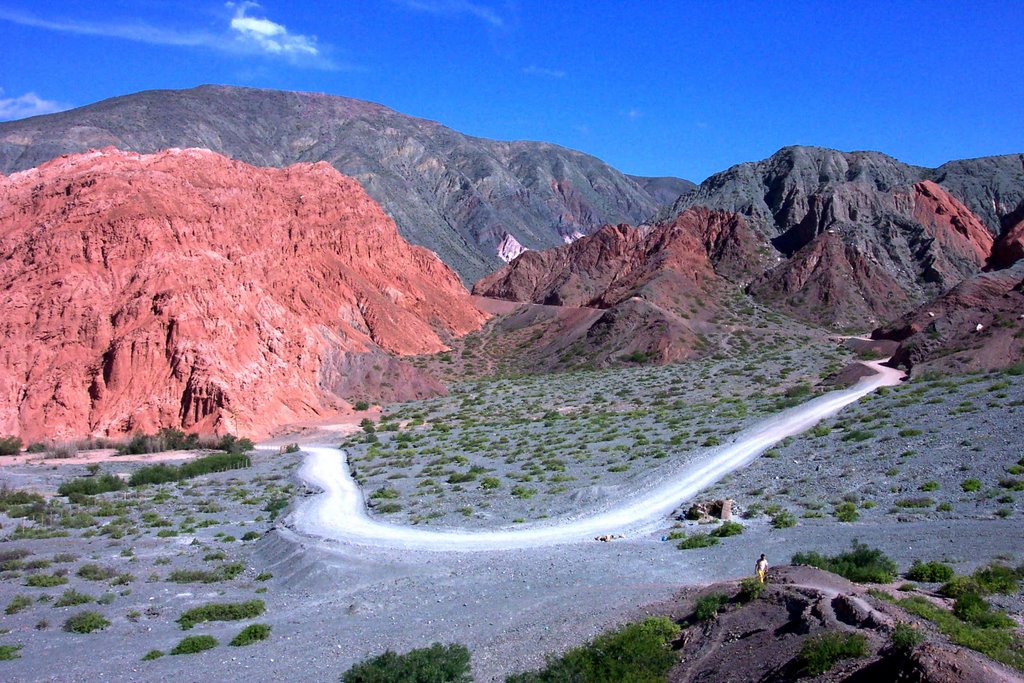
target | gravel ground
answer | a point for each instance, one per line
(332, 605)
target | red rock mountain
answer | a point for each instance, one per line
(185, 289)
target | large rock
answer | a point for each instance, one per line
(186, 289)
(455, 194)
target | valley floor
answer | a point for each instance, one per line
(332, 604)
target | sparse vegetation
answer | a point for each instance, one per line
(861, 564)
(86, 622)
(821, 653)
(190, 645)
(252, 633)
(221, 611)
(707, 607)
(930, 572)
(437, 663)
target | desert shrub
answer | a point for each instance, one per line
(708, 606)
(861, 564)
(45, 580)
(71, 597)
(973, 609)
(91, 486)
(223, 573)
(85, 622)
(251, 634)
(435, 664)
(221, 611)
(215, 462)
(728, 529)
(190, 645)
(998, 578)
(250, 536)
(905, 637)
(846, 512)
(750, 589)
(970, 485)
(490, 483)
(292, 448)
(264, 576)
(18, 603)
(694, 541)
(783, 519)
(636, 653)
(94, 572)
(820, 653)
(10, 445)
(385, 493)
(9, 652)
(930, 572)
(153, 654)
(361, 405)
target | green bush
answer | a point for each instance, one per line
(10, 445)
(636, 653)
(9, 652)
(250, 536)
(490, 483)
(905, 637)
(362, 405)
(94, 572)
(783, 520)
(215, 462)
(728, 529)
(861, 564)
(1002, 645)
(970, 485)
(998, 578)
(251, 634)
(694, 541)
(153, 654)
(221, 611)
(846, 512)
(973, 609)
(71, 597)
(190, 645)
(930, 572)
(707, 607)
(91, 486)
(85, 622)
(45, 580)
(820, 653)
(18, 603)
(435, 664)
(750, 589)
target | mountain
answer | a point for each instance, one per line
(656, 285)
(187, 289)
(457, 195)
(861, 237)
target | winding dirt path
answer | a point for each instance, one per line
(340, 513)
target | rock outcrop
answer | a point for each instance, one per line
(186, 289)
(452, 193)
(860, 237)
(977, 325)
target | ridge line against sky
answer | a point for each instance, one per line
(659, 89)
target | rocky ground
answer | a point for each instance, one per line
(331, 605)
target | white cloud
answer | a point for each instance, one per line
(269, 36)
(23, 106)
(542, 71)
(454, 7)
(243, 35)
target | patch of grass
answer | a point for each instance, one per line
(905, 637)
(94, 572)
(783, 520)
(252, 633)
(152, 654)
(930, 572)
(821, 653)
(440, 663)
(10, 445)
(190, 645)
(1002, 645)
(846, 512)
(85, 622)
(221, 611)
(727, 529)
(636, 653)
(750, 589)
(208, 464)
(861, 564)
(223, 573)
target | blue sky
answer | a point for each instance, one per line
(654, 88)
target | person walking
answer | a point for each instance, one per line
(761, 567)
